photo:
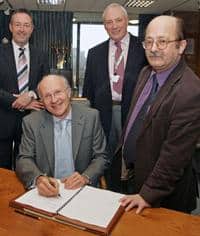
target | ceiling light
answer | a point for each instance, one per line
(134, 22)
(139, 3)
(51, 2)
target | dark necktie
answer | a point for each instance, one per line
(129, 149)
(22, 71)
(118, 69)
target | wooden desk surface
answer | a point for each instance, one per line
(153, 222)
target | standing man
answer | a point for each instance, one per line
(66, 141)
(22, 67)
(111, 72)
(163, 125)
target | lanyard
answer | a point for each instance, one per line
(116, 63)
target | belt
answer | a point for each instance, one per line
(116, 103)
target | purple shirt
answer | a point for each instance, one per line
(161, 78)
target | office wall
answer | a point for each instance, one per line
(192, 28)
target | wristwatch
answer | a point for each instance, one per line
(32, 94)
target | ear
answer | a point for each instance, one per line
(10, 27)
(182, 46)
(69, 93)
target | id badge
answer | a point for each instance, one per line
(115, 78)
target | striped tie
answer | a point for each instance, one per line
(22, 72)
(119, 70)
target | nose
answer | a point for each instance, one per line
(53, 98)
(154, 47)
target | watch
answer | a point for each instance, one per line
(32, 94)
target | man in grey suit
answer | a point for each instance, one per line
(77, 156)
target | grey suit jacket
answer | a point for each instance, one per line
(36, 155)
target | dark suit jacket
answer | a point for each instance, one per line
(9, 85)
(97, 81)
(163, 166)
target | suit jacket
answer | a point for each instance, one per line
(163, 166)
(97, 81)
(36, 155)
(9, 85)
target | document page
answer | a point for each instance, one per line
(93, 206)
(49, 204)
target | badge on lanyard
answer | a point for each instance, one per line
(115, 78)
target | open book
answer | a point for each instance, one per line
(87, 208)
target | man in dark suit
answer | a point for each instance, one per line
(163, 125)
(18, 62)
(103, 73)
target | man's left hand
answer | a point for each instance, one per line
(74, 181)
(22, 101)
(131, 201)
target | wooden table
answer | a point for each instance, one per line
(152, 222)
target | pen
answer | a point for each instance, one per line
(26, 214)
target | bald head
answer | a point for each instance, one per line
(176, 24)
(51, 79)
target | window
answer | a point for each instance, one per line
(87, 36)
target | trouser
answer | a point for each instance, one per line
(115, 133)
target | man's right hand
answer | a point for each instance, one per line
(47, 186)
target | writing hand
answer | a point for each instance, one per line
(47, 186)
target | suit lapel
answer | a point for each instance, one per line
(10, 58)
(162, 94)
(33, 63)
(77, 129)
(47, 135)
(105, 76)
(142, 80)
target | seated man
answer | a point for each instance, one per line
(65, 141)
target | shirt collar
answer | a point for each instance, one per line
(15, 45)
(124, 40)
(67, 117)
(163, 76)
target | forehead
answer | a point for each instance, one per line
(51, 83)
(21, 17)
(161, 27)
(113, 13)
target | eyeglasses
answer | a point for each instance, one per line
(160, 43)
(57, 94)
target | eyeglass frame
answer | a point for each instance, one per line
(157, 43)
(57, 94)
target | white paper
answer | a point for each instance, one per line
(50, 204)
(93, 206)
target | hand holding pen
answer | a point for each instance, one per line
(47, 186)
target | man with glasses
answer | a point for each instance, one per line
(65, 141)
(163, 125)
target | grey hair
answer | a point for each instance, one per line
(63, 78)
(114, 5)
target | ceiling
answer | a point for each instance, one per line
(91, 10)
